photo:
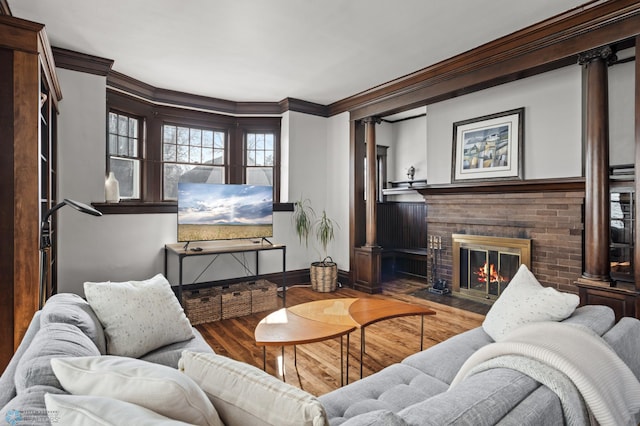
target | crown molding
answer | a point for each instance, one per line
(82, 62)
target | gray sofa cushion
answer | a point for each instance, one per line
(52, 341)
(72, 309)
(624, 338)
(541, 407)
(443, 360)
(170, 355)
(394, 388)
(596, 317)
(481, 399)
(376, 418)
(28, 408)
(7, 382)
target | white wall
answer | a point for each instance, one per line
(111, 247)
(337, 185)
(407, 141)
(552, 141)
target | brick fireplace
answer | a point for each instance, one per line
(551, 219)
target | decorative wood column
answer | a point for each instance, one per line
(368, 258)
(596, 263)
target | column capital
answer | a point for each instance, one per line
(372, 120)
(604, 53)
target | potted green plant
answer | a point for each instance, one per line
(323, 273)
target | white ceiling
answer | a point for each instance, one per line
(259, 50)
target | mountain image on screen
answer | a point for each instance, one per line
(209, 211)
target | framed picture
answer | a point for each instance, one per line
(489, 147)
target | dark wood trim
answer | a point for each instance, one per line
(531, 185)
(129, 85)
(4, 8)
(81, 62)
(298, 105)
(139, 207)
(542, 47)
(7, 218)
(135, 207)
(637, 163)
(282, 207)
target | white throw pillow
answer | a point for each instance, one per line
(138, 316)
(525, 300)
(162, 389)
(94, 410)
(245, 395)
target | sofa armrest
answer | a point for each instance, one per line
(7, 382)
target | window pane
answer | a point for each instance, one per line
(123, 125)
(183, 136)
(207, 139)
(196, 137)
(218, 140)
(133, 127)
(169, 134)
(218, 157)
(183, 154)
(194, 155)
(260, 158)
(123, 145)
(169, 153)
(251, 141)
(251, 158)
(113, 144)
(268, 159)
(133, 148)
(260, 176)
(127, 171)
(113, 123)
(174, 173)
(260, 141)
(207, 156)
(268, 143)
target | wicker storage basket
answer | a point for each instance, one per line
(236, 301)
(324, 276)
(202, 305)
(263, 296)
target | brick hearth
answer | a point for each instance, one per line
(553, 220)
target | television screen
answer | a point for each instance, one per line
(209, 211)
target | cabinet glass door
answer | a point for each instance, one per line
(622, 234)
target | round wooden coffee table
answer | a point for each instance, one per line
(330, 318)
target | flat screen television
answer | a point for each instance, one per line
(208, 211)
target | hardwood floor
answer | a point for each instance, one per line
(318, 371)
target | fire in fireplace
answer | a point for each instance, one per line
(487, 271)
(483, 266)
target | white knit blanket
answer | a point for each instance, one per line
(607, 385)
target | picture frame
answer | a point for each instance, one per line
(489, 147)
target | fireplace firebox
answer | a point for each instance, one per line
(483, 266)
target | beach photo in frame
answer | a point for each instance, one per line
(489, 147)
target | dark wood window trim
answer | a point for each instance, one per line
(154, 117)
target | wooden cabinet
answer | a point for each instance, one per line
(29, 91)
